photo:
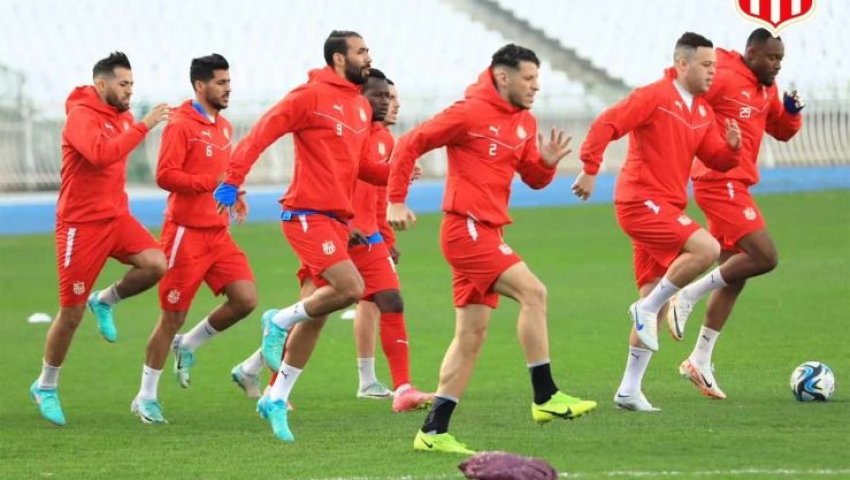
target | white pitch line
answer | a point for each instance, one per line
(785, 472)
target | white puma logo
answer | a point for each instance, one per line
(206, 133)
(338, 108)
(494, 130)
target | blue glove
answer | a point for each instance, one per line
(793, 103)
(225, 194)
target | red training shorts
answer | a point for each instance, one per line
(319, 241)
(730, 210)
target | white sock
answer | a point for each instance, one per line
(49, 377)
(402, 388)
(253, 365)
(109, 295)
(366, 367)
(284, 382)
(704, 346)
(636, 365)
(711, 281)
(287, 317)
(198, 335)
(150, 383)
(658, 296)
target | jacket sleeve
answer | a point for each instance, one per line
(443, 129)
(288, 115)
(782, 125)
(715, 152)
(85, 134)
(369, 170)
(531, 168)
(618, 120)
(170, 174)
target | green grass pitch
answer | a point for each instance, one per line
(797, 313)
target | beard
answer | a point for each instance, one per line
(112, 99)
(517, 101)
(354, 74)
(216, 103)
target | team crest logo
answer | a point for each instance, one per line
(505, 249)
(109, 127)
(684, 220)
(227, 133)
(750, 213)
(363, 116)
(79, 288)
(520, 132)
(173, 296)
(328, 248)
(126, 125)
(701, 111)
(775, 14)
(382, 149)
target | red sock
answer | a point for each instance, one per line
(396, 349)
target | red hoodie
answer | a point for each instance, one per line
(488, 140)
(664, 136)
(192, 159)
(737, 93)
(370, 205)
(95, 143)
(330, 121)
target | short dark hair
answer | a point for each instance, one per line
(203, 68)
(337, 43)
(688, 43)
(375, 73)
(759, 36)
(510, 55)
(390, 82)
(106, 66)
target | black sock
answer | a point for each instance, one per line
(541, 381)
(439, 416)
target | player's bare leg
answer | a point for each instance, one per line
(519, 283)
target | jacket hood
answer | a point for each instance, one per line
(87, 96)
(735, 61)
(329, 76)
(485, 89)
(187, 110)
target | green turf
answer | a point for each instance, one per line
(795, 314)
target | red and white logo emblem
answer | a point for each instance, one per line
(328, 248)
(173, 296)
(79, 288)
(684, 220)
(750, 213)
(505, 249)
(382, 149)
(775, 14)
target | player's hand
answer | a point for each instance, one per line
(356, 237)
(400, 217)
(557, 148)
(417, 173)
(733, 134)
(225, 196)
(239, 212)
(584, 185)
(158, 113)
(793, 103)
(395, 254)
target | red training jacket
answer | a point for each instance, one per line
(488, 140)
(192, 159)
(370, 201)
(664, 136)
(95, 143)
(737, 93)
(330, 121)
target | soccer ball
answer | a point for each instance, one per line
(812, 381)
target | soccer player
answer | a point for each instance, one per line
(743, 89)
(331, 122)
(668, 122)
(490, 135)
(381, 303)
(93, 221)
(193, 156)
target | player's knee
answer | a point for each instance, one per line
(768, 260)
(156, 264)
(351, 291)
(171, 322)
(534, 296)
(709, 253)
(389, 302)
(244, 304)
(71, 317)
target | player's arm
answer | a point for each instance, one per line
(784, 119)
(441, 130)
(84, 133)
(286, 116)
(720, 149)
(170, 173)
(381, 210)
(371, 171)
(618, 120)
(538, 164)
